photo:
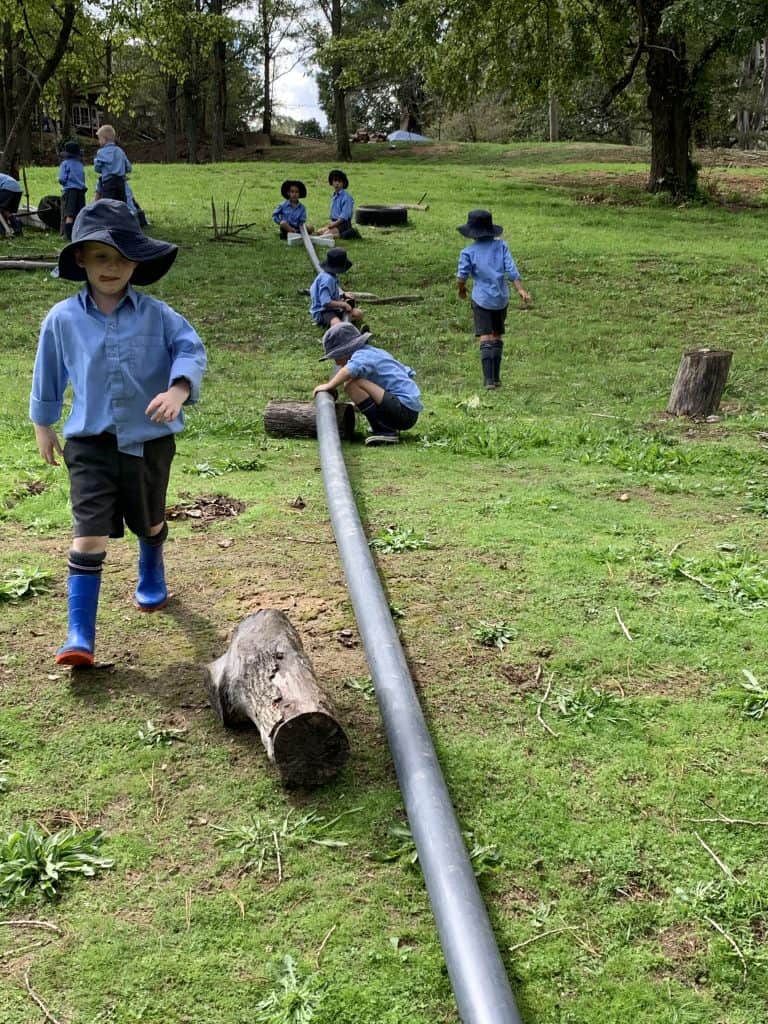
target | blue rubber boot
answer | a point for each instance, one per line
(83, 597)
(151, 592)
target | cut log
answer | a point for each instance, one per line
(699, 384)
(266, 678)
(27, 265)
(297, 419)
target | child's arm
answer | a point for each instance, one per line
(461, 284)
(47, 443)
(341, 376)
(165, 407)
(524, 295)
(510, 268)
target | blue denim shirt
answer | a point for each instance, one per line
(9, 184)
(377, 365)
(116, 364)
(111, 162)
(72, 173)
(489, 263)
(324, 289)
(294, 215)
(342, 205)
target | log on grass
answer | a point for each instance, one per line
(297, 419)
(27, 265)
(266, 678)
(699, 383)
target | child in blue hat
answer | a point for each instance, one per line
(328, 304)
(73, 187)
(132, 363)
(489, 263)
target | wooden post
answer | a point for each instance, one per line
(266, 678)
(297, 419)
(699, 384)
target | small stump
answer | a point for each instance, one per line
(297, 419)
(265, 677)
(700, 381)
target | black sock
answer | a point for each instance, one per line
(85, 563)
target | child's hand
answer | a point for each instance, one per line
(165, 407)
(462, 290)
(48, 444)
(524, 295)
(325, 387)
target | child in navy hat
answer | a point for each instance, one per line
(489, 263)
(132, 363)
(291, 213)
(73, 187)
(328, 304)
(382, 388)
(342, 207)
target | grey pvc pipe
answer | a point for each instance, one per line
(313, 257)
(480, 984)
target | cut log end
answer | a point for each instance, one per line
(297, 419)
(310, 749)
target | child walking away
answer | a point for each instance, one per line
(489, 263)
(73, 188)
(328, 304)
(382, 388)
(111, 164)
(342, 207)
(132, 363)
(291, 213)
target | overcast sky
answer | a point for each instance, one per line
(296, 96)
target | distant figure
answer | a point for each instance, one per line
(10, 197)
(111, 164)
(291, 213)
(489, 263)
(342, 207)
(328, 304)
(73, 187)
(382, 388)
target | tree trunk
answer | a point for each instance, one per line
(191, 117)
(297, 419)
(669, 104)
(6, 82)
(343, 148)
(699, 383)
(171, 113)
(66, 94)
(39, 81)
(266, 57)
(266, 678)
(219, 86)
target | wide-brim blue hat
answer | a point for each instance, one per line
(72, 148)
(480, 225)
(299, 185)
(342, 340)
(111, 222)
(336, 262)
(336, 173)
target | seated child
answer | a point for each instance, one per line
(342, 208)
(382, 388)
(291, 214)
(132, 363)
(328, 304)
(111, 164)
(489, 263)
(73, 187)
(10, 197)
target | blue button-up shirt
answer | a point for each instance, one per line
(116, 363)
(72, 173)
(489, 263)
(111, 162)
(294, 215)
(377, 365)
(324, 289)
(342, 205)
(9, 184)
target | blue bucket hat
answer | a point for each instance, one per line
(336, 261)
(342, 340)
(480, 225)
(284, 188)
(111, 222)
(72, 148)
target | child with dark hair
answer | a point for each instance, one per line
(342, 207)
(132, 362)
(382, 388)
(328, 304)
(489, 263)
(291, 213)
(73, 187)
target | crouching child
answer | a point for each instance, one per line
(383, 389)
(132, 362)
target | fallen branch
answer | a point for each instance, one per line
(26, 265)
(542, 703)
(321, 947)
(33, 924)
(728, 938)
(721, 864)
(724, 820)
(38, 1001)
(541, 935)
(624, 629)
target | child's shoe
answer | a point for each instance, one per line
(83, 601)
(376, 439)
(151, 592)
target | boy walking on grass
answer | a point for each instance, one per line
(382, 388)
(489, 263)
(132, 363)
(328, 304)
(111, 165)
(73, 187)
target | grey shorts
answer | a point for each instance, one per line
(391, 412)
(489, 321)
(109, 488)
(72, 201)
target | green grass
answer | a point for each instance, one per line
(580, 586)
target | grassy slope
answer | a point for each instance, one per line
(550, 506)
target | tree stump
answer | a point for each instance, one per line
(265, 677)
(297, 419)
(699, 384)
